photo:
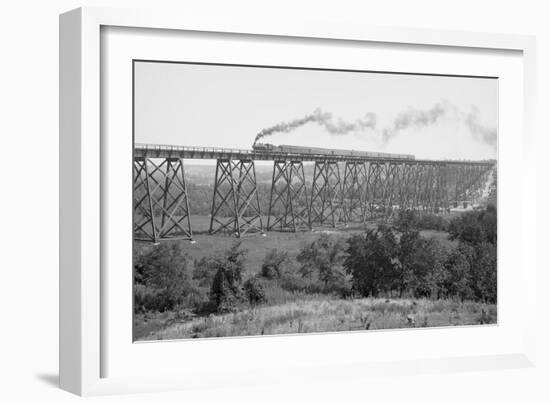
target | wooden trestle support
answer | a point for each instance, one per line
(468, 181)
(289, 208)
(235, 203)
(354, 191)
(375, 190)
(161, 205)
(326, 195)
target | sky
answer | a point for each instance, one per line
(227, 106)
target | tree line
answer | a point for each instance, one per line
(397, 261)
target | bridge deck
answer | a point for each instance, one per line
(170, 151)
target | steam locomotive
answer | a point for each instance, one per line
(265, 147)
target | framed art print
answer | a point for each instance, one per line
(384, 219)
(322, 197)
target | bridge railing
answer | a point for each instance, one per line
(164, 150)
(176, 149)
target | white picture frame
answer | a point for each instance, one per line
(83, 158)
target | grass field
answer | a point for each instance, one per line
(326, 314)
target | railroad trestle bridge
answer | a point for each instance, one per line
(343, 189)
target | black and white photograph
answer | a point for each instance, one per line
(273, 200)
(304, 201)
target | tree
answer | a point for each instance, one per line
(424, 264)
(324, 256)
(477, 234)
(467, 228)
(475, 227)
(226, 290)
(458, 280)
(388, 259)
(484, 272)
(408, 244)
(489, 224)
(371, 261)
(379, 261)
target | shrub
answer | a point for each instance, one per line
(225, 292)
(273, 264)
(340, 285)
(150, 299)
(427, 221)
(296, 283)
(325, 256)
(406, 220)
(198, 300)
(204, 271)
(163, 276)
(254, 291)
(474, 227)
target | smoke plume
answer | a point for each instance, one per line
(415, 118)
(482, 133)
(412, 118)
(324, 119)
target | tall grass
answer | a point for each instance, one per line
(325, 313)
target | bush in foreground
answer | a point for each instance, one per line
(163, 278)
(254, 291)
(226, 292)
(274, 260)
(323, 256)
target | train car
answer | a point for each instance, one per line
(289, 149)
(263, 147)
